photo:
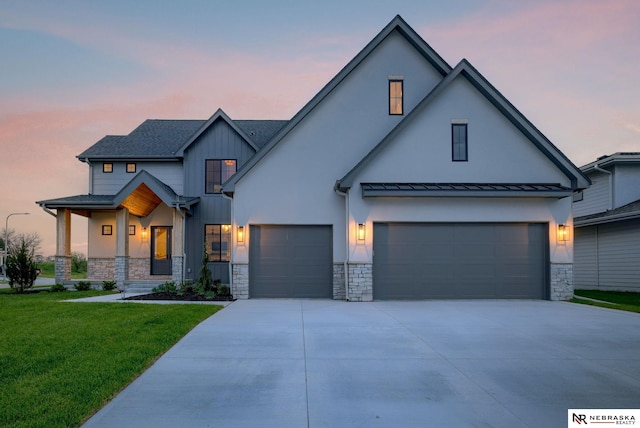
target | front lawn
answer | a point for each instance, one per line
(623, 300)
(60, 362)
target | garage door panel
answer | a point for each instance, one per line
(460, 260)
(290, 261)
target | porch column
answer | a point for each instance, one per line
(63, 246)
(122, 247)
(177, 247)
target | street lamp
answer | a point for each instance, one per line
(6, 243)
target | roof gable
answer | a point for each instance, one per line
(397, 24)
(466, 70)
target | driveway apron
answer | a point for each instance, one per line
(323, 363)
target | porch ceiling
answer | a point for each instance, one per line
(142, 201)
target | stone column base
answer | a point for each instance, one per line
(121, 271)
(62, 266)
(561, 275)
(177, 265)
(360, 282)
(240, 282)
(338, 281)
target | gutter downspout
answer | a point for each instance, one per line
(346, 240)
(48, 211)
(610, 174)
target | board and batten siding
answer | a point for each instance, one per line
(595, 199)
(220, 141)
(110, 183)
(609, 256)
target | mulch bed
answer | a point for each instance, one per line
(186, 297)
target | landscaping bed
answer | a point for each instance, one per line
(184, 296)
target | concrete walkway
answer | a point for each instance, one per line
(321, 363)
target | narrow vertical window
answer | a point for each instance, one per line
(459, 148)
(395, 97)
(217, 171)
(218, 239)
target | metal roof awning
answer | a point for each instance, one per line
(467, 190)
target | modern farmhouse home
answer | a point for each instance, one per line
(403, 178)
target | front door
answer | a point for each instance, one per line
(160, 250)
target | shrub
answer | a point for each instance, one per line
(224, 290)
(108, 285)
(21, 268)
(168, 286)
(83, 286)
(186, 286)
(205, 281)
(56, 288)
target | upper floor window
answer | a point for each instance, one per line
(218, 242)
(395, 96)
(218, 171)
(107, 167)
(131, 167)
(459, 149)
(578, 196)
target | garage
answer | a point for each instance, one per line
(291, 261)
(460, 261)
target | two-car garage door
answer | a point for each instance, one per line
(460, 261)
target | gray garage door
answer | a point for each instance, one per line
(290, 261)
(460, 261)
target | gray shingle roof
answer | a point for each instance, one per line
(539, 190)
(160, 138)
(625, 212)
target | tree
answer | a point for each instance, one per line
(33, 240)
(205, 281)
(21, 268)
(78, 262)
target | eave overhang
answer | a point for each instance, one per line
(626, 212)
(464, 190)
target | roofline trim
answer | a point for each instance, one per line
(606, 219)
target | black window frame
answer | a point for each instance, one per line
(401, 97)
(107, 167)
(216, 187)
(455, 154)
(578, 196)
(135, 167)
(215, 255)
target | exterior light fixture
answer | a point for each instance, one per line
(240, 234)
(143, 234)
(563, 233)
(361, 231)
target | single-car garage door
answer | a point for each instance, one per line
(290, 261)
(460, 261)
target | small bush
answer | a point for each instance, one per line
(186, 286)
(224, 290)
(57, 288)
(21, 268)
(108, 285)
(83, 286)
(169, 287)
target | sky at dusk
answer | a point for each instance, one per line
(74, 71)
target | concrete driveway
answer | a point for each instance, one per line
(321, 363)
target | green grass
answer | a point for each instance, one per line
(49, 271)
(623, 300)
(60, 362)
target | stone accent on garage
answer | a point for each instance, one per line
(240, 283)
(360, 282)
(561, 281)
(338, 281)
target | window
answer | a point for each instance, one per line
(131, 167)
(107, 167)
(578, 196)
(107, 229)
(132, 229)
(395, 96)
(218, 242)
(217, 172)
(459, 142)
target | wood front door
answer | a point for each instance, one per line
(160, 250)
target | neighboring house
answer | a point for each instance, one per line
(607, 225)
(403, 178)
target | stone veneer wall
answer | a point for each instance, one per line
(140, 269)
(62, 268)
(360, 282)
(177, 263)
(561, 281)
(240, 283)
(338, 281)
(101, 268)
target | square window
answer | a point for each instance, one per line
(395, 97)
(218, 242)
(131, 167)
(132, 229)
(107, 229)
(107, 167)
(217, 171)
(459, 150)
(578, 196)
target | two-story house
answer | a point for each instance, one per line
(607, 225)
(403, 178)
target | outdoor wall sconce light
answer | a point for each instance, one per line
(143, 234)
(563, 233)
(240, 234)
(361, 231)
